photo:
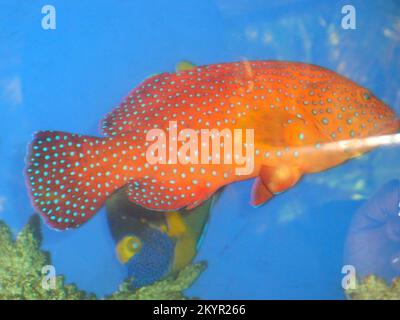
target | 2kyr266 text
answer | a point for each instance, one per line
(221, 309)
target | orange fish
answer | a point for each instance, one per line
(297, 119)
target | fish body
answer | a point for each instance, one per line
(295, 111)
(152, 245)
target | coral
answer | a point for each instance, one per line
(374, 288)
(21, 264)
(170, 288)
(22, 260)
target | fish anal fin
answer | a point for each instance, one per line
(157, 196)
(203, 196)
(259, 193)
(279, 178)
(194, 205)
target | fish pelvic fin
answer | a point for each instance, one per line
(273, 180)
(280, 178)
(66, 179)
(259, 193)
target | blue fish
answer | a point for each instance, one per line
(153, 245)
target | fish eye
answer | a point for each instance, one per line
(127, 248)
(135, 245)
(366, 96)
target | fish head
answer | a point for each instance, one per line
(351, 112)
(129, 246)
(371, 116)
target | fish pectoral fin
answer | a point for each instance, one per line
(259, 193)
(176, 225)
(280, 178)
(184, 66)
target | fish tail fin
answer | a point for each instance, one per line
(66, 181)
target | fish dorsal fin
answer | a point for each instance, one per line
(116, 121)
(184, 66)
(149, 105)
(123, 117)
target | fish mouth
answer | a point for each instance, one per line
(390, 126)
(386, 127)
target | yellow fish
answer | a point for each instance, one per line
(153, 245)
